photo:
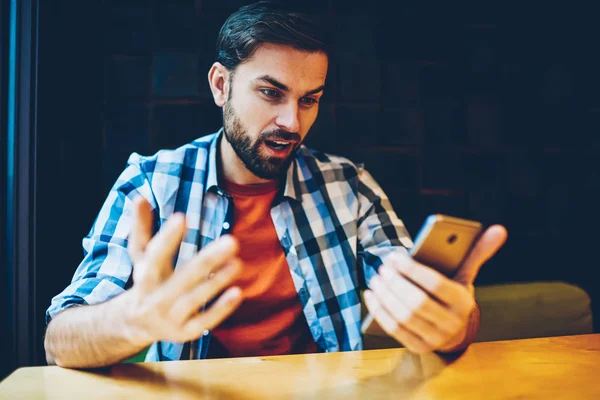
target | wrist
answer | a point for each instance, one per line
(135, 325)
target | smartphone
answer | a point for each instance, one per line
(443, 243)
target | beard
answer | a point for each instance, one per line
(260, 164)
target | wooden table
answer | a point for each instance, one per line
(561, 367)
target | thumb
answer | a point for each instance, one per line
(488, 244)
(141, 228)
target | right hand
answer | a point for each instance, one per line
(165, 303)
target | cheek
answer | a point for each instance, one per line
(255, 115)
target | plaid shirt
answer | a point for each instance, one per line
(333, 220)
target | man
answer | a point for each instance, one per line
(245, 242)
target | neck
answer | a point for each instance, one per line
(232, 168)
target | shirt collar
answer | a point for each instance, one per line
(212, 179)
(291, 189)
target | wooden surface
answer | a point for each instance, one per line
(561, 367)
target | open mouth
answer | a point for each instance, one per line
(278, 145)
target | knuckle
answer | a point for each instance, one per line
(470, 304)
(405, 316)
(409, 320)
(455, 286)
(415, 347)
(418, 300)
(438, 341)
(467, 309)
(421, 345)
(437, 281)
(426, 349)
(389, 328)
(410, 267)
(398, 329)
(410, 347)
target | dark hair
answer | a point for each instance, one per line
(268, 22)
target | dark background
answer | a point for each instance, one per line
(478, 111)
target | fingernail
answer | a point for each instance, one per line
(178, 218)
(227, 241)
(233, 294)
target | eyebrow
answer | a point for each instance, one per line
(279, 85)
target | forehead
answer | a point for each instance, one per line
(295, 68)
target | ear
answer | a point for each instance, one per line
(219, 81)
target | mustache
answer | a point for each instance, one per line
(281, 135)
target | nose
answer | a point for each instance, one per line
(288, 118)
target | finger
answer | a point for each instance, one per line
(141, 228)
(392, 328)
(423, 320)
(189, 304)
(156, 264)
(406, 317)
(221, 309)
(488, 244)
(443, 289)
(416, 298)
(209, 259)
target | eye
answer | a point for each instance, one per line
(271, 93)
(308, 101)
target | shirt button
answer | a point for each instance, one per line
(225, 225)
(206, 332)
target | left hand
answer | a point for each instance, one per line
(423, 309)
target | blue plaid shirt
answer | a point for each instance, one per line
(334, 222)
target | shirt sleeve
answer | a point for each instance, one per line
(380, 231)
(106, 267)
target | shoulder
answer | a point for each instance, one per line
(329, 164)
(191, 155)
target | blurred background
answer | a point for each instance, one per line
(489, 112)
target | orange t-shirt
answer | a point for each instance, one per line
(270, 320)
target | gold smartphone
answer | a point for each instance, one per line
(443, 243)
